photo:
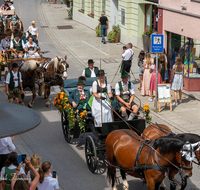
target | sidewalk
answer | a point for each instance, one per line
(81, 44)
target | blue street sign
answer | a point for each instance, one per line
(157, 43)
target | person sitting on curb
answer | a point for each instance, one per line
(124, 91)
(14, 84)
(90, 71)
(79, 97)
(17, 46)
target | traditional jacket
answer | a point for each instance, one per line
(88, 71)
(75, 96)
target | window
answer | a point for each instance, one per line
(92, 7)
(103, 8)
(123, 16)
(83, 4)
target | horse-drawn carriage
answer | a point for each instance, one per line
(95, 140)
(146, 156)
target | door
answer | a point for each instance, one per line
(114, 12)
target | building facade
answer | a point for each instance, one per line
(133, 16)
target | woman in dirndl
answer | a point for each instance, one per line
(101, 100)
(31, 49)
(177, 83)
(163, 62)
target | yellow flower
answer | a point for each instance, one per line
(62, 93)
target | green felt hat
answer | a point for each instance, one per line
(16, 34)
(124, 74)
(14, 65)
(81, 80)
(101, 72)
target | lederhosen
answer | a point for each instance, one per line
(125, 97)
(18, 46)
(88, 72)
(14, 91)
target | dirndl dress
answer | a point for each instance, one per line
(177, 82)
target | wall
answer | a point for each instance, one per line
(192, 7)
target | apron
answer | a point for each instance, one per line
(96, 110)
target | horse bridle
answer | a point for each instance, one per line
(63, 62)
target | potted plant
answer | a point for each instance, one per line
(67, 2)
(118, 31)
(98, 31)
(146, 35)
(112, 36)
(149, 44)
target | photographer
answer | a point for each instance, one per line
(127, 55)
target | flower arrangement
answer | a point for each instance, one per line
(3, 62)
(147, 112)
(148, 32)
(114, 34)
(82, 120)
(61, 102)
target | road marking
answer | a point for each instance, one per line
(95, 48)
(2, 88)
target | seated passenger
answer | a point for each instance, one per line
(79, 97)
(31, 49)
(8, 5)
(124, 90)
(17, 46)
(101, 100)
(90, 71)
(5, 44)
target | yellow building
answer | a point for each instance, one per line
(133, 16)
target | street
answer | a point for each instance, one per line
(47, 139)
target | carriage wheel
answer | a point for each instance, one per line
(65, 126)
(90, 154)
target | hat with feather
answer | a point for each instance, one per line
(81, 80)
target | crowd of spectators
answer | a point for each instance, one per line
(30, 174)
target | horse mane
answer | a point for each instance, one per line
(55, 60)
(29, 65)
(192, 138)
(168, 144)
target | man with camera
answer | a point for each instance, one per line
(127, 55)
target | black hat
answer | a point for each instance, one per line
(90, 61)
(14, 65)
(16, 34)
(101, 72)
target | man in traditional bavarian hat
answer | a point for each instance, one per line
(17, 46)
(14, 84)
(79, 97)
(90, 71)
(124, 91)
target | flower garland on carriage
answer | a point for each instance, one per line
(61, 102)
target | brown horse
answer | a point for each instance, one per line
(122, 148)
(16, 25)
(154, 131)
(32, 73)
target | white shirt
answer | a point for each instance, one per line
(11, 43)
(14, 77)
(92, 73)
(10, 167)
(33, 31)
(94, 86)
(12, 7)
(128, 55)
(6, 145)
(125, 89)
(49, 183)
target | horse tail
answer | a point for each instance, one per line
(111, 174)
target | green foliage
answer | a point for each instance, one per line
(70, 11)
(98, 31)
(116, 28)
(148, 32)
(112, 36)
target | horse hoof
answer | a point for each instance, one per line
(39, 94)
(48, 104)
(125, 185)
(163, 188)
(30, 105)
